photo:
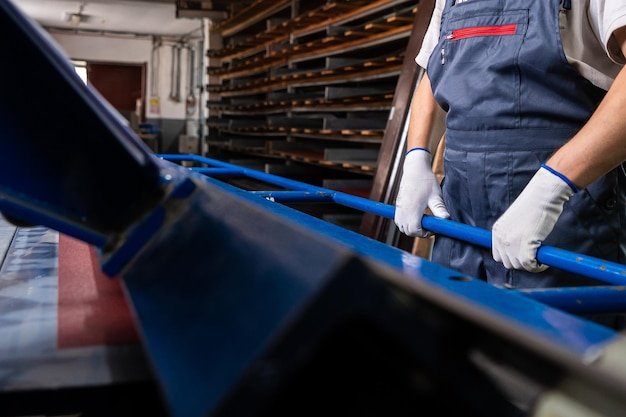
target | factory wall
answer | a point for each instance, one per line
(170, 117)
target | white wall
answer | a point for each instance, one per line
(135, 51)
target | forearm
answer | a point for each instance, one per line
(600, 145)
(425, 117)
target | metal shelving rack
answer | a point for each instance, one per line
(307, 85)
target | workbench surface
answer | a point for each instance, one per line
(62, 323)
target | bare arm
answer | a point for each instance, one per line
(426, 118)
(601, 144)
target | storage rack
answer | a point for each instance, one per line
(305, 90)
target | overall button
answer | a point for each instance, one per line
(610, 203)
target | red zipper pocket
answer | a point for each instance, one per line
(482, 31)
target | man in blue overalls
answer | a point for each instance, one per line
(534, 142)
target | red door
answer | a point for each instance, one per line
(120, 84)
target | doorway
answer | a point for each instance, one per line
(123, 86)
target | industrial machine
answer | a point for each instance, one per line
(247, 307)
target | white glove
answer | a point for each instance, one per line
(518, 233)
(419, 189)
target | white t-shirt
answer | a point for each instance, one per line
(586, 33)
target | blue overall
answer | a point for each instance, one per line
(512, 99)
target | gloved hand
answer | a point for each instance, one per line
(419, 189)
(518, 233)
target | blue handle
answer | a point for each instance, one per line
(589, 266)
(600, 269)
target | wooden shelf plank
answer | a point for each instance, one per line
(255, 12)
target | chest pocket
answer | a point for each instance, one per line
(474, 69)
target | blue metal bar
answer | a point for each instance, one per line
(220, 171)
(294, 196)
(600, 269)
(581, 300)
(605, 271)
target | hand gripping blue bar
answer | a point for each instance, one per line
(600, 269)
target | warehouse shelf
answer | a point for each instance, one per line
(383, 30)
(334, 13)
(254, 13)
(310, 84)
(355, 103)
(365, 71)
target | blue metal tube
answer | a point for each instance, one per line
(219, 171)
(294, 196)
(602, 270)
(581, 300)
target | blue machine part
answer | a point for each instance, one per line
(73, 135)
(235, 278)
(248, 307)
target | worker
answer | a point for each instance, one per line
(534, 97)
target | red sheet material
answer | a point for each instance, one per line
(92, 309)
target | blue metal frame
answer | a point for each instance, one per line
(233, 293)
(588, 300)
(231, 272)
